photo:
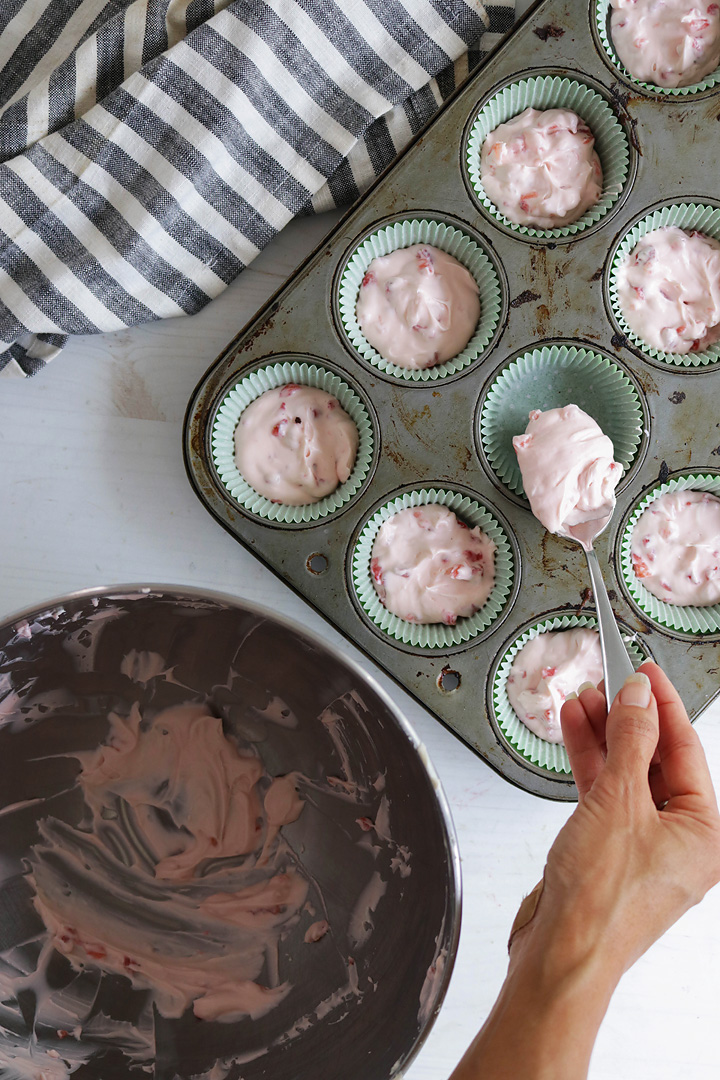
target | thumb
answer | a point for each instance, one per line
(632, 730)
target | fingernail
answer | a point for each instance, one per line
(571, 696)
(586, 686)
(636, 691)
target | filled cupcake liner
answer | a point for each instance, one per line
(546, 755)
(602, 18)
(434, 635)
(247, 390)
(691, 217)
(554, 92)
(686, 620)
(551, 377)
(401, 234)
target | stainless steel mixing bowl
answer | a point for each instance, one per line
(60, 677)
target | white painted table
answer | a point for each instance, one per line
(94, 492)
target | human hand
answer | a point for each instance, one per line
(643, 845)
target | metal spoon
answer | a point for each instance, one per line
(617, 665)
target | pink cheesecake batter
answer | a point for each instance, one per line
(568, 469)
(540, 168)
(676, 548)
(666, 42)
(418, 306)
(429, 567)
(295, 444)
(547, 669)
(195, 798)
(669, 290)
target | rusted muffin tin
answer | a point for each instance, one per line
(427, 433)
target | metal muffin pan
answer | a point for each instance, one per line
(426, 434)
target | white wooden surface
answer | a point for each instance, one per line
(93, 492)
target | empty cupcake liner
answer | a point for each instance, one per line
(686, 620)
(554, 92)
(251, 387)
(550, 756)
(551, 377)
(434, 635)
(602, 18)
(402, 234)
(691, 217)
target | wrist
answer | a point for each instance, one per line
(557, 977)
(544, 1023)
(556, 994)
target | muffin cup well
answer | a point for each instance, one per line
(401, 234)
(546, 755)
(554, 92)
(434, 635)
(689, 216)
(602, 20)
(551, 377)
(249, 388)
(685, 620)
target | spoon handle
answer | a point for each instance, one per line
(617, 665)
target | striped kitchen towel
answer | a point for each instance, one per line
(149, 149)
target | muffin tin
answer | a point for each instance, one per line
(427, 433)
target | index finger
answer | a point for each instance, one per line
(583, 727)
(682, 758)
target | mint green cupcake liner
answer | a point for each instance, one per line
(434, 635)
(693, 217)
(685, 620)
(546, 755)
(554, 92)
(237, 400)
(549, 378)
(602, 19)
(402, 234)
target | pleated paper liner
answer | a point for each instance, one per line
(689, 216)
(402, 234)
(553, 92)
(685, 620)
(546, 755)
(602, 19)
(249, 388)
(549, 378)
(434, 635)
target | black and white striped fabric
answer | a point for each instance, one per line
(150, 148)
